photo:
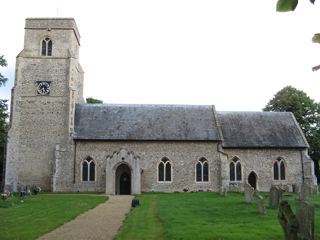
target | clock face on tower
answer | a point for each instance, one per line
(43, 88)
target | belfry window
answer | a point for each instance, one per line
(164, 170)
(279, 170)
(88, 170)
(202, 170)
(46, 47)
(235, 170)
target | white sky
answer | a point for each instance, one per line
(235, 54)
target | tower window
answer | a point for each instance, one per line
(46, 47)
(202, 170)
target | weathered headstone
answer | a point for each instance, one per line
(248, 193)
(15, 187)
(260, 201)
(305, 216)
(224, 191)
(275, 197)
(304, 193)
(288, 221)
(296, 188)
(28, 190)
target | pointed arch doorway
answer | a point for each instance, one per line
(123, 180)
(125, 166)
(252, 179)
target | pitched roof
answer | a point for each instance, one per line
(260, 130)
(145, 122)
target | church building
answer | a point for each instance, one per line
(60, 143)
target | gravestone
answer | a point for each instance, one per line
(288, 221)
(296, 188)
(305, 216)
(28, 190)
(275, 197)
(248, 193)
(260, 201)
(15, 187)
(224, 191)
(304, 193)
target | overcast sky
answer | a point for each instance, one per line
(235, 54)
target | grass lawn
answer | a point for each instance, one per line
(204, 216)
(42, 213)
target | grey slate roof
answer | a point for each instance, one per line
(260, 130)
(145, 122)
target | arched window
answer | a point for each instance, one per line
(279, 170)
(164, 170)
(202, 170)
(276, 171)
(235, 170)
(88, 170)
(46, 47)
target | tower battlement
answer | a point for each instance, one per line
(53, 23)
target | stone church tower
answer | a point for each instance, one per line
(48, 84)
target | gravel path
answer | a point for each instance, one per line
(102, 222)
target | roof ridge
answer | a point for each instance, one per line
(251, 112)
(144, 105)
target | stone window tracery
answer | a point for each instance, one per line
(202, 170)
(235, 170)
(279, 170)
(46, 47)
(164, 170)
(88, 170)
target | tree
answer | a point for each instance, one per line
(307, 113)
(3, 118)
(316, 39)
(3, 63)
(3, 106)
(91, 100)
(288, 5)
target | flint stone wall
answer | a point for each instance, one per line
(182, 155)
(261, 162)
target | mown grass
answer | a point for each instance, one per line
(204, 216)
(143, 222)
(42, 213)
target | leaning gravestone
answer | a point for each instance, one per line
(288, 221)
(275, 197)
(248, 193)
(304, 193)
(260, 201)
(305, 216)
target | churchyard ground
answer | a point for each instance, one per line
(205, 215)
(39, 214)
